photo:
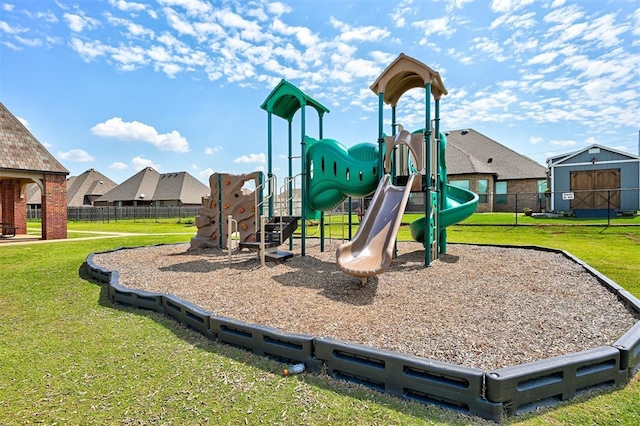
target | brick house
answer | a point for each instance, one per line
(82, 190)
(24, 160)
(148, 187)
(500, 176)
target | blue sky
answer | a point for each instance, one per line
(118, 85)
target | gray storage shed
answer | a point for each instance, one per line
(594, 178)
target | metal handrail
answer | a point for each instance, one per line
(273, 180)
(231, 225)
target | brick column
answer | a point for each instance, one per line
(14, 208)
(54, 207)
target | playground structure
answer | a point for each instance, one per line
(397, 165)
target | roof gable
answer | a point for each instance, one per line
(575, 155)
(140, 186)
(180, 186)
(149, 185)
(488, 155)
(91, 182)
(20, 150)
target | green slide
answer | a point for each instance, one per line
(456, 204)
(459, 205)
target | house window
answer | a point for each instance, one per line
(501, 193)
(542, 188)
(483, 189)
(464, 184)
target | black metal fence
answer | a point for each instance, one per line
(601, 206)
(113, 213)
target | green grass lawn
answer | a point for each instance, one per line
(68, 356)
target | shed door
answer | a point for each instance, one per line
(592, 189)
(607, 180)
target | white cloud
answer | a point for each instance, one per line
(78, 155)
(251, 159)
(502, 6)
(278, 8)
(136, 131)
(11, 29)
(303, 34)
(192, 7)
(213, 150)
(563, 142)
(534, 140)
(77, 23)
(490, 47)
(133, 29)
(434, 26)
(543, 58)
(126, 6)
(119, 165)
(399, 14)
(204, 174)
(24, 122)
(366, 33)
(89, 50)
(140, 163)
(8, 7)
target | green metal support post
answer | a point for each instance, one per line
(426, 184)
(322, 212)
(442, 237)
(303, 171)
(290, 188)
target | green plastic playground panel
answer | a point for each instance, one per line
(336, 172)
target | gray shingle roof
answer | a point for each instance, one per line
(180, 186)
(90, 183)
(20, 150)
(471, 152)
(149, 185)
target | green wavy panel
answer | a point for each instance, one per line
(335, 172)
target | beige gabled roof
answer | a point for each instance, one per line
(20, 150)
(469, 151)
(406, 73)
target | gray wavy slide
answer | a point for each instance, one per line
(371, 250)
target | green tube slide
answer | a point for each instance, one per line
(456, 204)
(336, 172)
(459, 205)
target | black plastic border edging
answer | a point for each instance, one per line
(267, 341)
(511, 390)
(407, 376)
(554, 379)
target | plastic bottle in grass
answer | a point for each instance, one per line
(293, 369)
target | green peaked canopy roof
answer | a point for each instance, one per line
(286, 99)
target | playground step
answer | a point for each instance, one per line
(278, 255)
(279, 229)
(255, 245)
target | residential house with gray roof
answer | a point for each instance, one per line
(148, 187)
(82, 190)
(500, 176)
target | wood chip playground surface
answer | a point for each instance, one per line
(478, 306)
